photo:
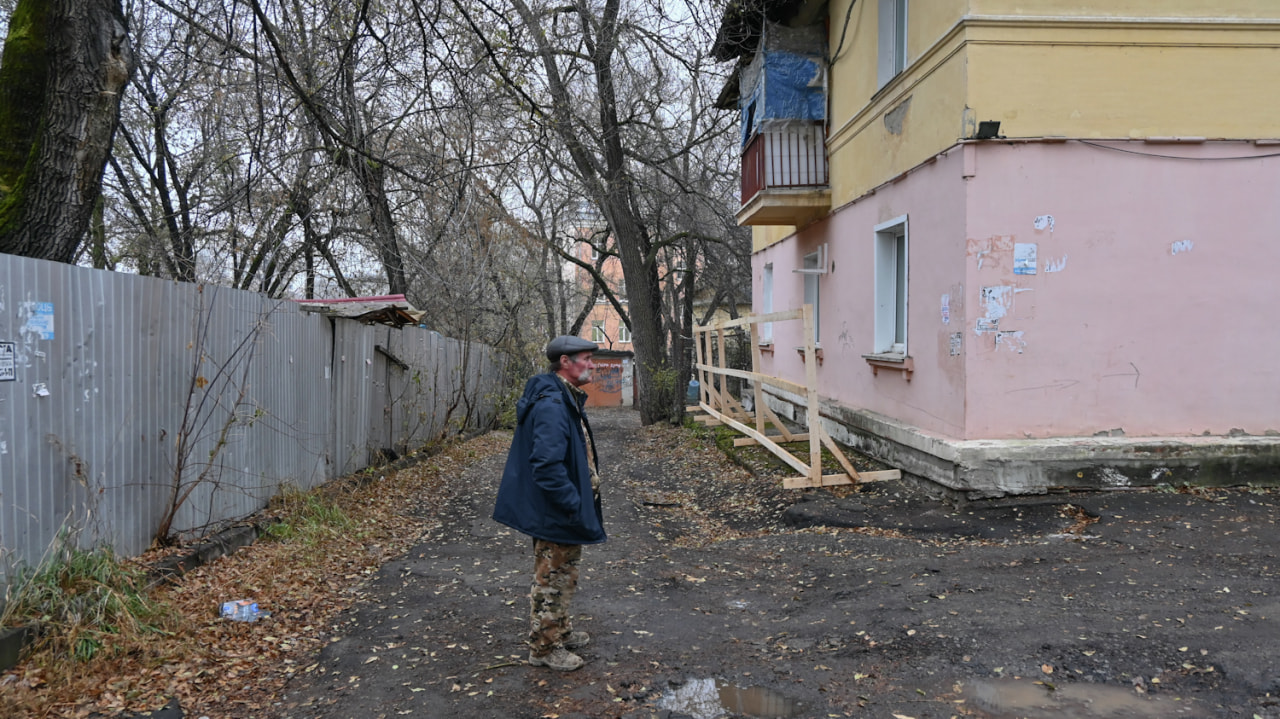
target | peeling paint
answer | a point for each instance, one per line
(1055, 265)
(1181, 246)
(1114, 477)
(991, 250)
(894, 118)
(1044, 222)
(1011, 340)
(946, 309)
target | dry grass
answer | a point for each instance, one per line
(329, 544)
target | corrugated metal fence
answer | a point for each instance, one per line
(119, 393)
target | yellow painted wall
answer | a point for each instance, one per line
(1127, 80)
(1073, 68)
(1126, 8)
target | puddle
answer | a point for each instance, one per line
(711, 698)
(1011, 699)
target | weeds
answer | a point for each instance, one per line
(85, 601)
(309, 518)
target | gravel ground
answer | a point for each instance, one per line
(721, 594)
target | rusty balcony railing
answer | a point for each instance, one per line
(791, 156)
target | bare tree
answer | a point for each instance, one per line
(597, 77)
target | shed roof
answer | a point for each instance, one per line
(391, 310)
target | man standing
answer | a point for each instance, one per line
(551, 491)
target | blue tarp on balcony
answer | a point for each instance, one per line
(785, 81)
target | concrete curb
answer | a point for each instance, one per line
(992, 468)
(219, 545)
(12, 641)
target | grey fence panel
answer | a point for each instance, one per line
(413, 396)
(353, 387)
(104, 365)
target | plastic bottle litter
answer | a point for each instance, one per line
(693, 391)
(242, 610)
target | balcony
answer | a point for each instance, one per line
(784, 176)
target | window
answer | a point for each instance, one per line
(624, 334)
(893, 40)
(597, 331)
(766, 302)
(891, 287)
(813, 261)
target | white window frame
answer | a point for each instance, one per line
(812, 290)
(892, 266)
(766, 303)
(624, 334)
(597, 332)
(892, 53)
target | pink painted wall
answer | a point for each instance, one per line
(1150, 308)
(933, 197)
(1160, 317)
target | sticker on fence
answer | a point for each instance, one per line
(8, 362)
(39, 319)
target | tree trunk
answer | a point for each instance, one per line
(373, 180)
(64, 67)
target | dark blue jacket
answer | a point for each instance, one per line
(546, 486)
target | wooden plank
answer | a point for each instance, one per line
(750, 319)
(787, 435)
(724, 381)
(767, 379)
(839, 455)
(832, 480)
(769, 444)
(702, 376)
(748, 442)
(811, 397)
(722, 401)
(713, 397)
(724, 409)
(757, 387)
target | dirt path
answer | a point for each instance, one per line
(710, 600)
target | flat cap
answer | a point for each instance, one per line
(568, 345)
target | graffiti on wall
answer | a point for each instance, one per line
(608, 378)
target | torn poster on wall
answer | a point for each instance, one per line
(946, 309)
(1024, 258)
(1011, 340)
(957, 340)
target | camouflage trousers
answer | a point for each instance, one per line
(555, 579)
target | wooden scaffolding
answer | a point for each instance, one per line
(723, 408)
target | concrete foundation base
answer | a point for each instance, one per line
(999, 467)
